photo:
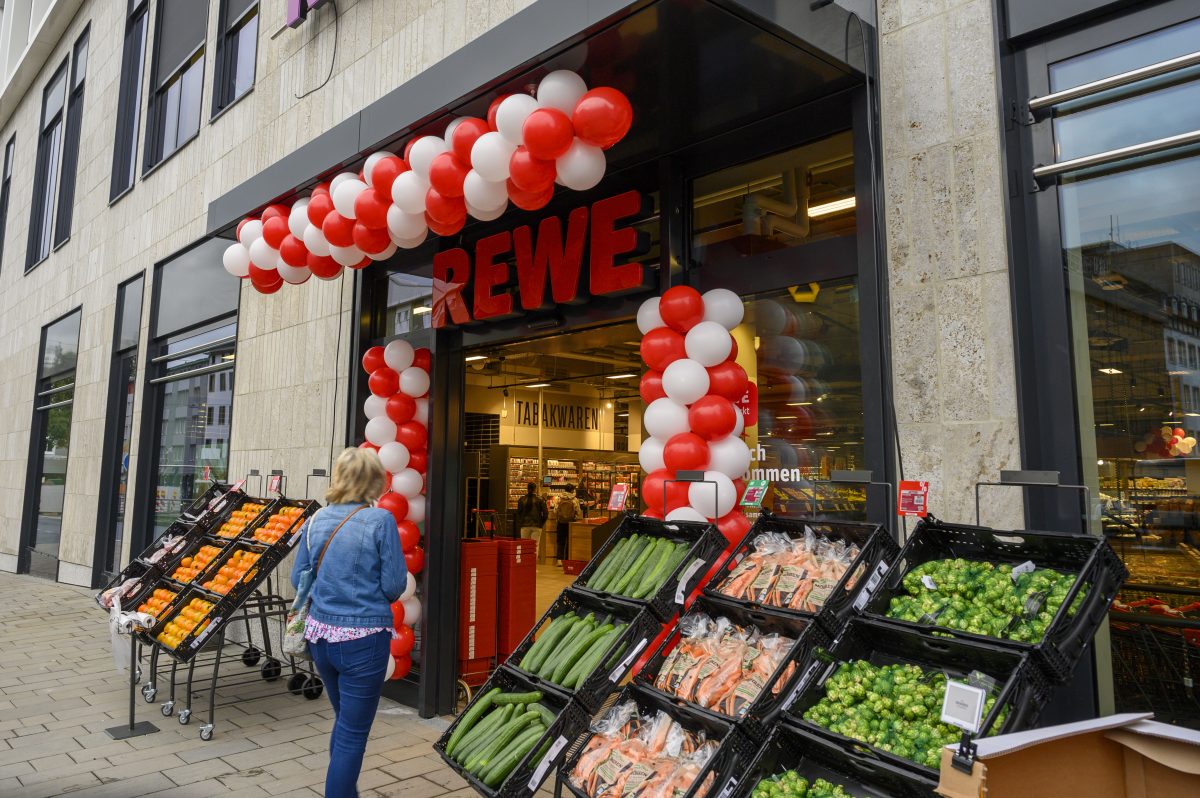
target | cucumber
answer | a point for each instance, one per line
(548, 716)
(610, 561)
(636, 544)
(478, 763)
(532, 662)
(481, 730)
(544, 640)
(468, 720)
(623, 567)
(571, 657)
(502, 715)
(637, 581)
(623, 583)
(590, 658)
(581, 629)
(519, 698)
(681, 553)
(500, 769)
(654, 576)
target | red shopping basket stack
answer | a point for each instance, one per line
(518, 591)
(477, 610)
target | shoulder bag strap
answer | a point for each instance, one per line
(325, 548)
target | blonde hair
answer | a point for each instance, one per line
(358, 478)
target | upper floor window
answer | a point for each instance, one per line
(237, 50)
(129, 100)
(10, 153)
(177, 78)
(70, 156)
(46, 169)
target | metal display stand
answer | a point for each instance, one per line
(1034, 479)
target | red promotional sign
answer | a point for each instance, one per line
(273, 483)
(748, 405)
(913, 499)
(618, 497)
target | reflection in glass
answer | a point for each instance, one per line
(1158, 46)
(127, 370)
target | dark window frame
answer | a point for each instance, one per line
(224, 94)
(49, 156)
(158, 103)
(72, 133)
(129, 102)
(10, 156)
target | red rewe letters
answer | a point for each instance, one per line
(548, 259)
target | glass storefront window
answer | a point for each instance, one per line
(124, 384)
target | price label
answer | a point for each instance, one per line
(729, 787)
(616, 675)
(273, 483)
(680, 594)
(800, 685)
(756, 491)
(962, 706)
(540, 773)
(1026, 567)
(912, 500)
(864, 595)
(618, 497)
(928, 582)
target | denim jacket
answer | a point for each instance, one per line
(363, 571)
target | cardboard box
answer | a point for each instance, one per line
(1121, 756)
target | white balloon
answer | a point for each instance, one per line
(398, 355)
(448, 133)
(490, 156)
(381, 430)
(685, 514)
(263, 255)
(298, 218)
(582, 167)
(294, 275)
(388, 252)
(373, 159)
(714, 497)
(346, 256)
(561, 89)
(730, 456)
(408, 483)
(340, 178)
(314, 241)
(251, 230)
(739, 422)
(414, 382)
(391, 668)
(412, 243)
(408, 192)
(422, 414)
(416, 509)
(648, 317)
(487, 216)
(708, 343)
(650, 454)
(412, 611)
(685, 381)
(422, 153)
(403, 225)
(511, 115)
(666, 417)
(770, 317)
(345, 195)
(410, 587)
(236, 260)
(374, 406)
(724, 307)
(484, 194)
(394, 456)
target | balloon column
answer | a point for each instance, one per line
(397, 427)
(1166, 442)
(690, 390)
(477, 167)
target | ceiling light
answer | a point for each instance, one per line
(539, 385)
(421, 310)
(619, 376)
(1111, 370)
(825, 209)
(622, 415)
(1192, 415)
(473, 358)
(787, 416)
(1099, 462)
(608, 405)
(798, 404)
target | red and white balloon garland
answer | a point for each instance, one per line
(525, 146)
(398, 429)
(689, 392)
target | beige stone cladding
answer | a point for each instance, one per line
(290, 395)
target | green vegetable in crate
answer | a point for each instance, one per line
(792, 785)
(571, 648)
(984, 598)
(896, 708)
(638, 566)
(497, 732)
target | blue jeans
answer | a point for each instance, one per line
(353, 673)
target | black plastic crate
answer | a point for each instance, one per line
(706, 547)
(191, 641)
(805, 632)
(291, 536)
(236, 502)
(876, 551)
(530, 772)
(266, 560)
(734, 751)
(643, 628)
(788, 748)
(1022, 687)
(1067, 637)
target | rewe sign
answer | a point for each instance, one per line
(297, 10)
(520, 271)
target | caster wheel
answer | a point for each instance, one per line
(137, 676)
(206, 732)
(271, 670)
(167, 709)
(185, 717)
(296, 683)
(462, 696)
(148, 693)
(313, 687)
(251, 656)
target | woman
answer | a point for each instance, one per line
(360, 571)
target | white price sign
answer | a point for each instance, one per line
(963, 706)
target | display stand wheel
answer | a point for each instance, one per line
(206, 732)
(462, 696)
(313, 687)
(167, 709)
(251, 656)
(148, 693)
(296, 683)
(271, 670)
(185, 717)
(137, 675)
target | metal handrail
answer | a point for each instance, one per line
(183, 375)
(1037, 104)
(59, 389)
(53, 405)
(195, 350)
(1045, 173)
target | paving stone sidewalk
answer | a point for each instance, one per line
(59, 691)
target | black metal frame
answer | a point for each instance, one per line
(152, 151)
(10, 155)
(37, 221)
(129, 101)
(72, 130)
(225, 70)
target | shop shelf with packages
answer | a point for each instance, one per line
(1089, 574)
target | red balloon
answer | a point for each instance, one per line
(369, 445)
(268, 289)
(371, 208)
(733, 349)
(651, 387)
(466, 133)
(491, 114)
(729, 380)
(661, 347)
(531, 175)
(384, 382)
(547, 133)
(444, 229)
(602, 117)
(323, 266)
(422, 358)
(739, 488)
(648, 513)
(371, 239)
(529, 200)
(418, 461)
(410, 535)
(413, 435)
(395, 504)
(712, 417)
(372, 359)
(734, 526)
(293, 251)
(403, 642)
(319, 206)
(274, 230)
(362, 264)
(403, 667)
(264, 279)
(443, 207)
(397, 614)
(1180, 433)
(274, 212)
(446, 175)
(384, 174)
(681, 307)
(652, 491)
(401, 408)
(338, 230)
(321, 188)
(686, 451)
(415, 560)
